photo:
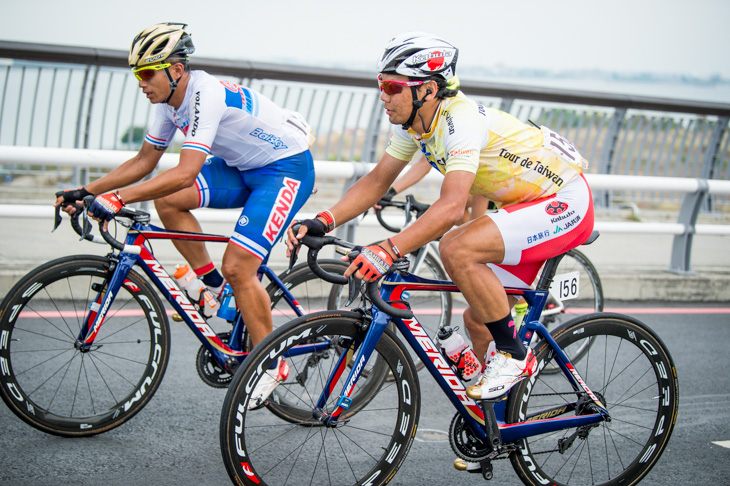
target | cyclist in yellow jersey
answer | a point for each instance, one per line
(533, 174)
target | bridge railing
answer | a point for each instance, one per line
(86, 98)
(695, 191)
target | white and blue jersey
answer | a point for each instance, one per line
(232, 122)
(260, 156)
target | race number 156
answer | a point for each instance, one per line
(566, 286)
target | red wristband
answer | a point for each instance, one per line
(328, 219)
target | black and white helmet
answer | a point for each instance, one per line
(419, 55)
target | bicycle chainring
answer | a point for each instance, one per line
(209, 370)
(464, 443)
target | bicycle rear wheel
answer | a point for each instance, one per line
(630, 371)
(371, 440)
(590, 300)
(55, 387)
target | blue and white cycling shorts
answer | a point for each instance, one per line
(270, 197)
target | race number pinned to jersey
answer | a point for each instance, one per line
(565, 286)
(562, 147)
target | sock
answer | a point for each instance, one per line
(505, 337)
(211, 276)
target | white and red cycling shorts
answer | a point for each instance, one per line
(537, 230)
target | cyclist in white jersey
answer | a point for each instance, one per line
(532, 174)
(240, 151)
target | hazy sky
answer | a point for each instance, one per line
(667, 36)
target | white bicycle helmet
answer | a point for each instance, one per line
(419, 55)
(158, 42)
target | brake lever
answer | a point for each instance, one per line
(293, 256)
(86, 228)
(354, 289)
(352, 282)
(57, 220)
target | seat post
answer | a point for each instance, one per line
(548, 272)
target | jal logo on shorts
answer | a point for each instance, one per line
(556, 207)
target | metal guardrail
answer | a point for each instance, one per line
(684, 230)
(77, 97)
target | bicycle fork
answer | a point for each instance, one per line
(375, 327)
(106, 293)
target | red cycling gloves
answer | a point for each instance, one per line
(373, 261)
(106, 206)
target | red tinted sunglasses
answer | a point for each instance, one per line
(146, 73)
(392, 87)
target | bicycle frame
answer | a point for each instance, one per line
(139, 254)
(392, 289)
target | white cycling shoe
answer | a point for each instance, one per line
(268, 383)
(501, 373)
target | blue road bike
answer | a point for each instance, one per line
(85, 339)
(603, 420)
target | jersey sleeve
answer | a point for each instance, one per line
(206, 111)
(163, 128)
(401, 145)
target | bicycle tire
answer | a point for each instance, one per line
(310, 292)
(632, 373)
(54, 387)
(368, 445)
(590, 300)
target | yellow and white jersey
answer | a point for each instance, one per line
(513, 162)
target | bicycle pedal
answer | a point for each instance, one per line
(470, 467)
(176, 317)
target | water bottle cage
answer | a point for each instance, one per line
(458, 365)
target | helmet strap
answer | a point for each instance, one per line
(417, 104)
(173, 84)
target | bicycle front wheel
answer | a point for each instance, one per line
(55, 387)
(371, 439)
(630, 371)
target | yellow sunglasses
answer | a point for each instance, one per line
(147, 72)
